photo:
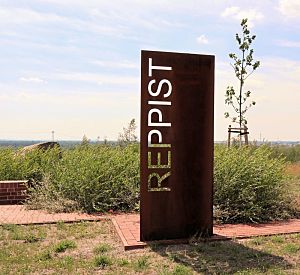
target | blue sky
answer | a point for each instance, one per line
(73, 66)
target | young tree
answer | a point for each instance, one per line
(85, 141)
(128, 136)
(243, 66)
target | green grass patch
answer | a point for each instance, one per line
(123, 262)
(277, 239)
(264, 255)
(102, 248)
(141, 264)
(181, 270)
(45, 256)
(258, 240)
(63, 245)
(291, 248)
(102, 261)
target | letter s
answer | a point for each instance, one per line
(160, 84)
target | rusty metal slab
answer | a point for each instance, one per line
(177, 106)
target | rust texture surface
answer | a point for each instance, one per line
(177, 99)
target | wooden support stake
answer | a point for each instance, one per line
(241, 132)
(246, 135)
(229, 136)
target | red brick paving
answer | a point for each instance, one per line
(128, 228)
(128, 225)
(17, 214)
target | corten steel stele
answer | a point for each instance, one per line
(177, 99)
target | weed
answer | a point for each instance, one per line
(172, 257)
(102, 261)
(102, 248)
(60, 225)
(63, 245)
(257, 241)
(181, 270)
(9, 227)
(66, 262)
(163, 269)
(31, 238)
(123, 262)
(277, 239)
(45, 256)
(276, 271)
(291, 248)
(141, 263)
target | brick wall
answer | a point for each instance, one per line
(12, 191)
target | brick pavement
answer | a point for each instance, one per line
(128, 225)
(128, 228)
(17, 214)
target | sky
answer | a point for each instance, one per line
(73, 66)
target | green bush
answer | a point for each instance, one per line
(249, 182)
(97, 178)
(249, 185)
(31, 166)
(8, 165)
(290, 153)
(88, 177)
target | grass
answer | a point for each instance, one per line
(141, 263)
(62, 246)
(91, 248)
(102, 248)
(293, 171)
(102, 261)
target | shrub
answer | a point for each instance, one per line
(249, 185)
(44, 195)
(100, 177)
(291, 153)
(90, 177)
(31, 166)
(8, 165)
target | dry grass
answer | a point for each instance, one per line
(97, 250)
(293, 169)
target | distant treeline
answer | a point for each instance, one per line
(72, 143)
(290, 150)
(63, 143)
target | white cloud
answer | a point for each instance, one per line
(123, 64)
(17, 16)
(237, 13)
(91, 99)
(289, 43)
(32, 79)
(289, 8)
(230, 11)
(202, 39)
(95, 78)
(20, 15)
